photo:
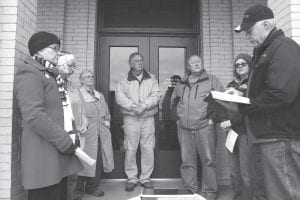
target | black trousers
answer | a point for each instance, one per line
(53, 192)
(91, 184)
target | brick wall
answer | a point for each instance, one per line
(216, 50)
(8, 20)
(74, 22)
(240, 44)
(51, 16)
(17, 22)
(219, 46)
(26, 25)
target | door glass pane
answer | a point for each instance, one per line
(173, 14)
(171, 69)
(118, 62)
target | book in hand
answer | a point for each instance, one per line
(229, 97)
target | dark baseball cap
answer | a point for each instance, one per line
(252, 15)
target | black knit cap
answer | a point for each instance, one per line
(41, 40)
(244, 56)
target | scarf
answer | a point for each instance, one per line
(52, 70)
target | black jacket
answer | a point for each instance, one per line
(274, 89)
(236, 118)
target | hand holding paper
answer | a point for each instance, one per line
(233, 91)
(231, 140)
(84, 157)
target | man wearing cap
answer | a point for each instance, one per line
(47, 153)
(273, 116)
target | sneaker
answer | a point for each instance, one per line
(130, 186)
(97, 193)
(147, 185)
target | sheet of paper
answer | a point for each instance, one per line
(73, 137)
(229, 97)
(231, 140)
(84, 157)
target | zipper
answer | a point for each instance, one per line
(188, 112)
(196, 92)
(140, 91)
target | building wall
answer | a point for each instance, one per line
(287, 16)
(74, 21)
(295, 20)
(17, 23)
(8, 21)
(26, 26)
(282, 13)
(219, 46)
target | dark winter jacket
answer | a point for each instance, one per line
(237, 119)
(43, 135)
(274, 89)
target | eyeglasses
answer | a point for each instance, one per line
(55, 48)
(89, 77)
(240, 65)
(73, 66)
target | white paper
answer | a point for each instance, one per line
(73, 137)
(229, 97)
(231, 140)
(84, 157)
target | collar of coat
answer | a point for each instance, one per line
(203, 76)
(238, 81)
(271, 37)
(132, 77)
(87, 97)
(32, 62)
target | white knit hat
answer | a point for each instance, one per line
(65, 58)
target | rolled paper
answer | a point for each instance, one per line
(84, 157)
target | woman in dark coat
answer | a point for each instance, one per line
(239, 160)
(47, 153)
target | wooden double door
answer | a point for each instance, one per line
(164, 57)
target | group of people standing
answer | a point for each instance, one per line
(264, 164)
(53, 112)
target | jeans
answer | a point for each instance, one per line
(239, 166)
(139, 131)
(202, 143)
(281, 164)
(245, 167)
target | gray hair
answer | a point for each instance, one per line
(133, 55)
(83, 72)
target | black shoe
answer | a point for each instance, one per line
(97, 193)
(130, 186)
(147, 185)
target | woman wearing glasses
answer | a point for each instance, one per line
(244, 162)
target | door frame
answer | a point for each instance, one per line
(149, 47)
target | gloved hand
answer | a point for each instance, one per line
(70, 150)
